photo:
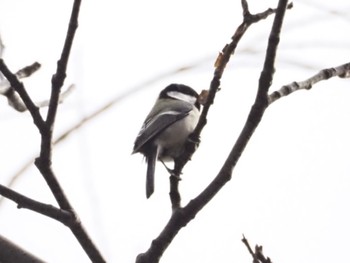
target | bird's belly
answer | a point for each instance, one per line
(172, 139)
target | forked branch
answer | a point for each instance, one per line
(46, 127)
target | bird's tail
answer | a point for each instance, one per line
(151, 166)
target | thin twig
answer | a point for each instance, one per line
(19, 88)
(342, 71)
(258, 256)
(246, 243)
(15, 100)
(28, 70)
(62, 97)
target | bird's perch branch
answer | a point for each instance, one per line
(182, 216)
(220, 65)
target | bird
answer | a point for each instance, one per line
(166, 128)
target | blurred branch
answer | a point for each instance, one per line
(6, 89)
(28, 70)
(182, 216)
(10, 252)
(342, 71)
(329, 10)
(2, 48)
(19, 88)
(258, 256)
(62, 97)
(15, 100)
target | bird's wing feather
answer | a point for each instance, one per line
(157, 121)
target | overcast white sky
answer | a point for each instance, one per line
(289, 192)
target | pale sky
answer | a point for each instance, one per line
(289, 191)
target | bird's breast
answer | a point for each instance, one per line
(172, 139)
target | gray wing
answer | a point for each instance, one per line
(158, 121)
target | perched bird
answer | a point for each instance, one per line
(163, 134)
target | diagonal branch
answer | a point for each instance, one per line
(22, 201)
(63, 95)
(60, 75)
(11, 252)
(258, 255)
(19, 88)
(13, 98)
(220, 65)
(182, 216)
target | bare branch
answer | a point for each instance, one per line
(220, 65)
(182, 216)
(59, 77)
(28, 70)
(6, 89)
(22, 73)
(246, 243)
(17, 175)
(65, 217)
(15, 100)
(10, 252)
(68, 218)
(342, 71)
(258, 256)
(43, 162)
(19, 88)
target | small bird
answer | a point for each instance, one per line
(163, 134)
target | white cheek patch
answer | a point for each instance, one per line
(181, 96)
